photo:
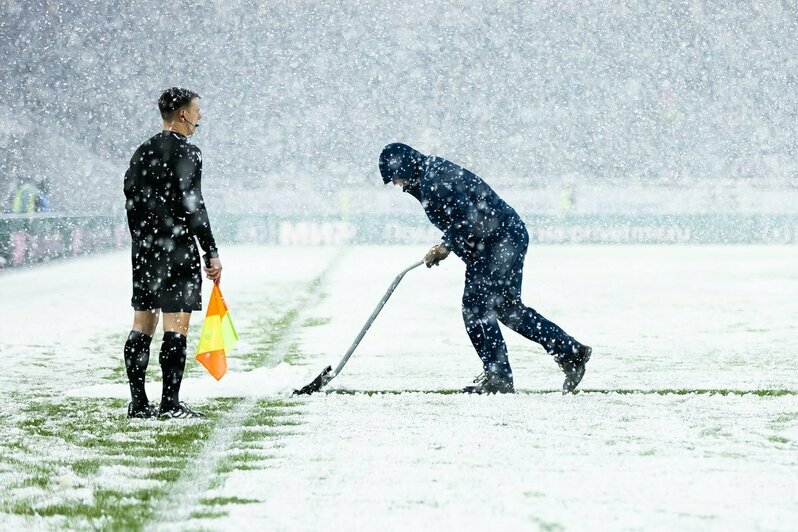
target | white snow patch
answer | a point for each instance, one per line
(279, 381)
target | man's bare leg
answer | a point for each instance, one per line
(146, 321)
(176, 322)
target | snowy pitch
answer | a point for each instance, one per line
(687, 417)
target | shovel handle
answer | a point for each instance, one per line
(373, 316)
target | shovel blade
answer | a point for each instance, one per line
(316, 385)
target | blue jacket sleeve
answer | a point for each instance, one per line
(461, 215)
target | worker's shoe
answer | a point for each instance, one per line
(573, 365)
(488, 383)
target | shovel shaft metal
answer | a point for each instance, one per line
(327, 373)
(373, 316)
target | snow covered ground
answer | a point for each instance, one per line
(687, 418)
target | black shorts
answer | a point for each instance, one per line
(167, 275)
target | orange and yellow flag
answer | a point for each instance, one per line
(218, 336)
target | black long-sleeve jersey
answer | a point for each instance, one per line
(163, 191)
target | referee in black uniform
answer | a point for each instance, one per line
(165, 213)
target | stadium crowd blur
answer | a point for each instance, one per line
(300, 97)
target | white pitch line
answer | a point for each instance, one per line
(187, 491)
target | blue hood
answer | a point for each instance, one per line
(400, 161)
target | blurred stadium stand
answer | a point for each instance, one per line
(635, 106)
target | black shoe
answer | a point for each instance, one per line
(142, 412)
(488, 383)
(181, 411)
(573, 365)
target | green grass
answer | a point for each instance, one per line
(86, 468)
(715, 432)
(80, 463)
(786, 417)
(778, 439)
(248, 436)
(39, 480)
(229, 466)
(271, 330)
(208, 514)
(110, 507)
(110, 349)
(222, 501)
(315, 322)
(547, 525)
(292, 355)
(61, 447)
(257, 429)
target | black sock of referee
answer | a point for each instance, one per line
(173, 361)
(137, 356)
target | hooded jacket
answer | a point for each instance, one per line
(456, 201)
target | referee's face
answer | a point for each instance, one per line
(192, 115)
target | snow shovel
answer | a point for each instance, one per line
(327, 373)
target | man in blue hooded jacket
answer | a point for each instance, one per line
(490, 237)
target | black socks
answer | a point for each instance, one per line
(137, 356)
(173, 361)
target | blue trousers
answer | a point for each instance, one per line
(493, 294)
